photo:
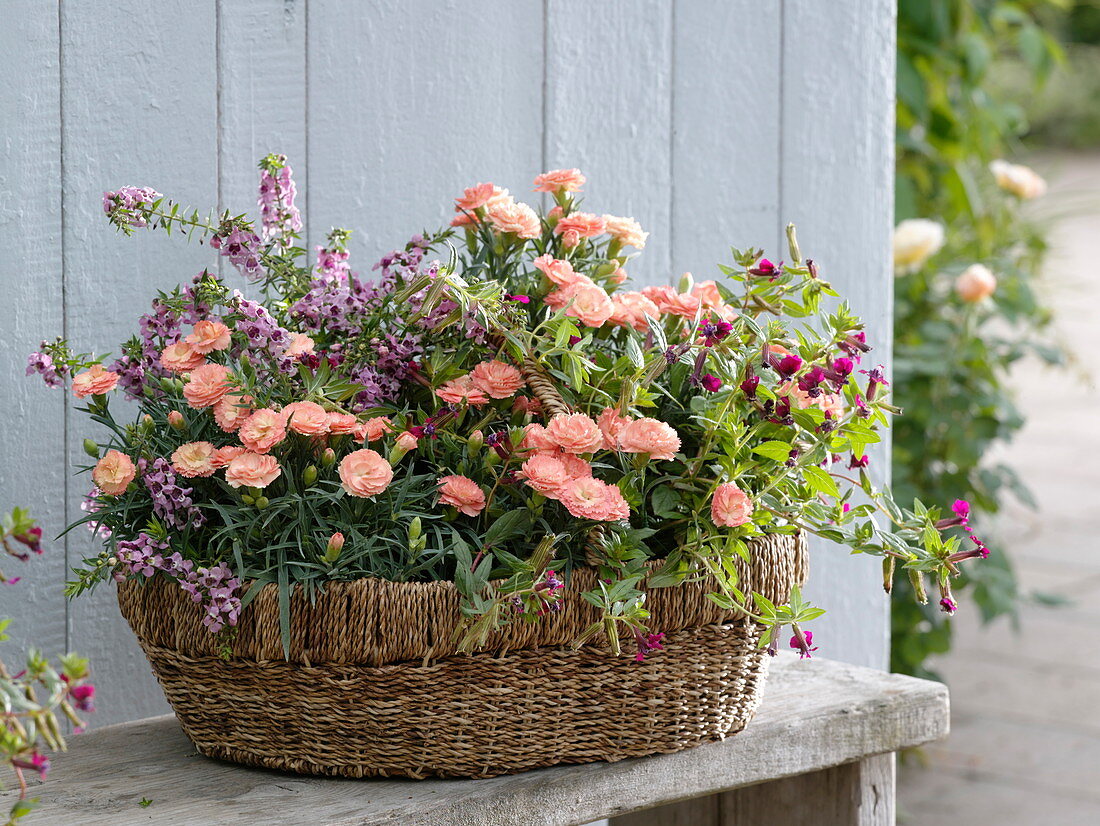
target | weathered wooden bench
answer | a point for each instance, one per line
(820, 752)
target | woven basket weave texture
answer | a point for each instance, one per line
(373, 685)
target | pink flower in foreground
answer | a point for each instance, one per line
(575, 466)
(306, 418)
(572, 228)
(114, 473)
(180, 357)
(574, 433)
(231, 411)
(194, 459)
(498, 379)
(660, 294)
(589, 304)
(252, 470)
(975, 283)
(685, 305)
(462, 493)
(545, 473)
(208, 336)
(300, 345)
(730, 506)
(558, 270)
(461, 390)
(373, 429)
(224, 455)
(342, 424)
(262, 430)
(364, 473)
(475, 197)
(560, 180)
(611, 424)
(649, 436)
(406, 441)
(626, 231)
(207, 385)
(507, 215)
(632, 309)
(590, 498)
(95, 381)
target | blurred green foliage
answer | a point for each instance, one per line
(951, 358)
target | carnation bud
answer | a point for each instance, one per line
(248, 498)
(475, 442)
(91, 448)
(147, 422)
(492, 458)
(687, 283)
(415, 527)
(175, 419)
(262, 502)
(328, 458)
(309, 475)
(335, 545)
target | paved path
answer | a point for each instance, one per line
(1025, 747)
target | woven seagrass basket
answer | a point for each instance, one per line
(374, 687)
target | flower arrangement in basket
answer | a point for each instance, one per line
(493, 465)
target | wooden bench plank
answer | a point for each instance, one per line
(815, 714)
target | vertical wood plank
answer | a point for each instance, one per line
(410, 102)
(32, 452)
(261, 100)
(609, 110)
(139, 108)
(726, 109)
(837, 185)
(854, 794)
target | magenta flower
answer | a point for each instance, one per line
(948, 605)
(82, 697)
(646, 644)
(714, 331)
(789, 365)
(711, 383)
(766, 268)
(803, 642)
(522, 299)
(749, 385)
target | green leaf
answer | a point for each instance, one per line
(775, 450)
(820, 480)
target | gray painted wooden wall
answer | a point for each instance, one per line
(713, 122)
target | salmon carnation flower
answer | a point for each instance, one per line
(95, 381)
(572, 228)
(461, 390)
(180, 357)
(574, 433)
(499, 380)
(559, 298)
(224, 455)
(252, 470)
(406, 441)
(207, 386)
(649, 436)
(342, 424)
(306, 418)
(231, 411)
(708, 295)
(558, 270)
(730, 506)
(590, 305)
(194, 459)
(507, 215)
(560, 180)
(535, 437)
(364, 473)
(464, 220)
(545, 473)
(575, 466)
(300, 345)
(626, 231)
(632, 309)
(475, 197)
(114, 473)
(262, 430)
(462, 493)
(589, 498)
(611, 424)
(373, 429)
(660, 294)
(685, 305)
(618, 277)
(208, 336)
